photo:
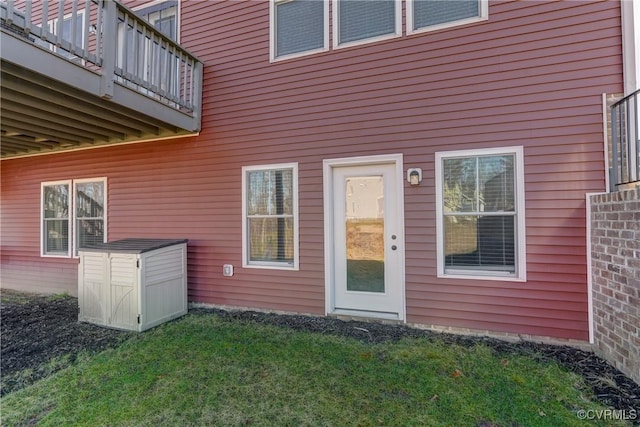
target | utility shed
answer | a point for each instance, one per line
(133, 284)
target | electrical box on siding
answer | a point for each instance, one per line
(133, 284)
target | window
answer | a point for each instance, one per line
(428, 15)
(70, 222)
(365, 20)
(72, 33)
(163, 16)
(89, 207)
(56, 236)
(298, 27)
(480, 213)
(301, 27)
(145, 57)
(270, 216)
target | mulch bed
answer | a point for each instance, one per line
(36, 329)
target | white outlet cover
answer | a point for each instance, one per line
(227, 270)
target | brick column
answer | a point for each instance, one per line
(615, 269)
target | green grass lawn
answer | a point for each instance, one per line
(365, 275)
(207, 370)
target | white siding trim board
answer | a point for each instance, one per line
(588, 197)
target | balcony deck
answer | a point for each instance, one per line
(114, 79)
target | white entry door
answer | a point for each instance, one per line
(366, 239)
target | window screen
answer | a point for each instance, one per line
(363, 19)
(55, 217)
(427, 13)
(479, 213)
(89, 208)
(299, 26)
(270, 215)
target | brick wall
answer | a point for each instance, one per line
(615, 273)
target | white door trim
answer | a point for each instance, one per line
(328, 190)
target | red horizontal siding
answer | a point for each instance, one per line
(532, 75)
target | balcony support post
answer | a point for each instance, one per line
(196, 99)
(109, 48)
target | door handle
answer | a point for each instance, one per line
(394, 247)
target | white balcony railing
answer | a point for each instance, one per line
(109, 39)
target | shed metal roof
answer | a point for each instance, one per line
(132, 245)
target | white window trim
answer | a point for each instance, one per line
(73, 217)
(336, 27)
(43, 252)
(272, 33)
(484, 16)
(296, 245)
(72, 243)
(520, 274)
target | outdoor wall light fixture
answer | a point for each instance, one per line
(414, 176)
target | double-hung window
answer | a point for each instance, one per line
(89, 208)
(480, 214)
(429, 15)
(298, 27)
(73, 215)
(56, 218)
(360, 21)
(270, 216)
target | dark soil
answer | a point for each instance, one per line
(37, 330)
(41, 334)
